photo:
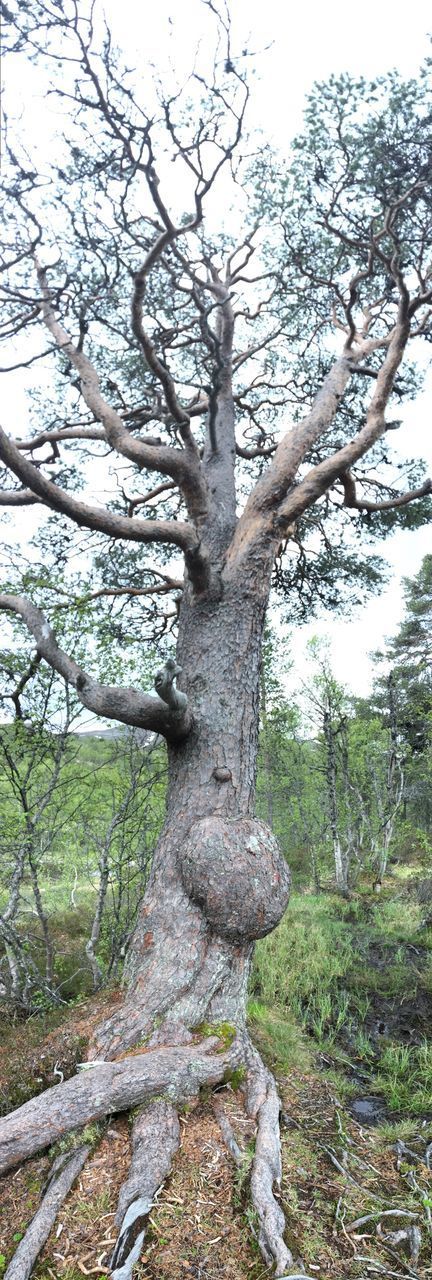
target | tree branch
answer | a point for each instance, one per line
(17, 498)
(100, 519)
(182, 465)
(158, 589)
(271, 488)
(128, 705)
(364, 504)
(321, 477)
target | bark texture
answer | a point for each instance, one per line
(218, 881)
(109, 1087)
(155, 1139)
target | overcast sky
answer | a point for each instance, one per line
(295, 46)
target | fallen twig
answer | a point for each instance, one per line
(381, 1213)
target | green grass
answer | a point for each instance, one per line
(309, 967)
(392, 1130)
(301, 964)
(397, 919)
(328, 965)
(279, 1037)
(405, 1078)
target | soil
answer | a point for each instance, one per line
(405, 1017)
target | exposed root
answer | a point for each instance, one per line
(63, 1174)
(264, 1105)
(178, 1072)
(227, 1131)
(155, 1139)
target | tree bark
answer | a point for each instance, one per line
(340, 860)
(218, 881)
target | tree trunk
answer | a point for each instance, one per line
(218, 881)
(340, 860)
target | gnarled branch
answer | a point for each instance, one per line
(128, 705)
(365, 504)
(182, 465)
(101, 519)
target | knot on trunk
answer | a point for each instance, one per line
(234, 870)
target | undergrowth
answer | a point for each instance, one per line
(405, 1078)
(348, 978)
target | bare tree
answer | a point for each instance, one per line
(265, 388)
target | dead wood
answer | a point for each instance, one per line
(108, 1087)
(63, 1174)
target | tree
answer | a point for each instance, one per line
(33, 802)
(74, 820)
(410, 654)
(406, 688)
(317, 330)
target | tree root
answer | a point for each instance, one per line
(62, 1176)
(107, 1087)
(177, 1072)
(227, 1131)
(263, 1104)
(155, 1139)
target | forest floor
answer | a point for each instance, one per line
(357, 1198)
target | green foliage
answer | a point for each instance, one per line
(335, 969)
(80, 816)
(300, 964)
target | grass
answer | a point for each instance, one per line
(93, 1210)
(309, 966)
(397, 919)
(308, 953)
(392, 1130)
(405, 1078)
(279, 1037)
(327, 976)
(302, 966)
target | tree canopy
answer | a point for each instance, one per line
(308, 306)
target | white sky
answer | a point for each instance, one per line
(307, 42)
